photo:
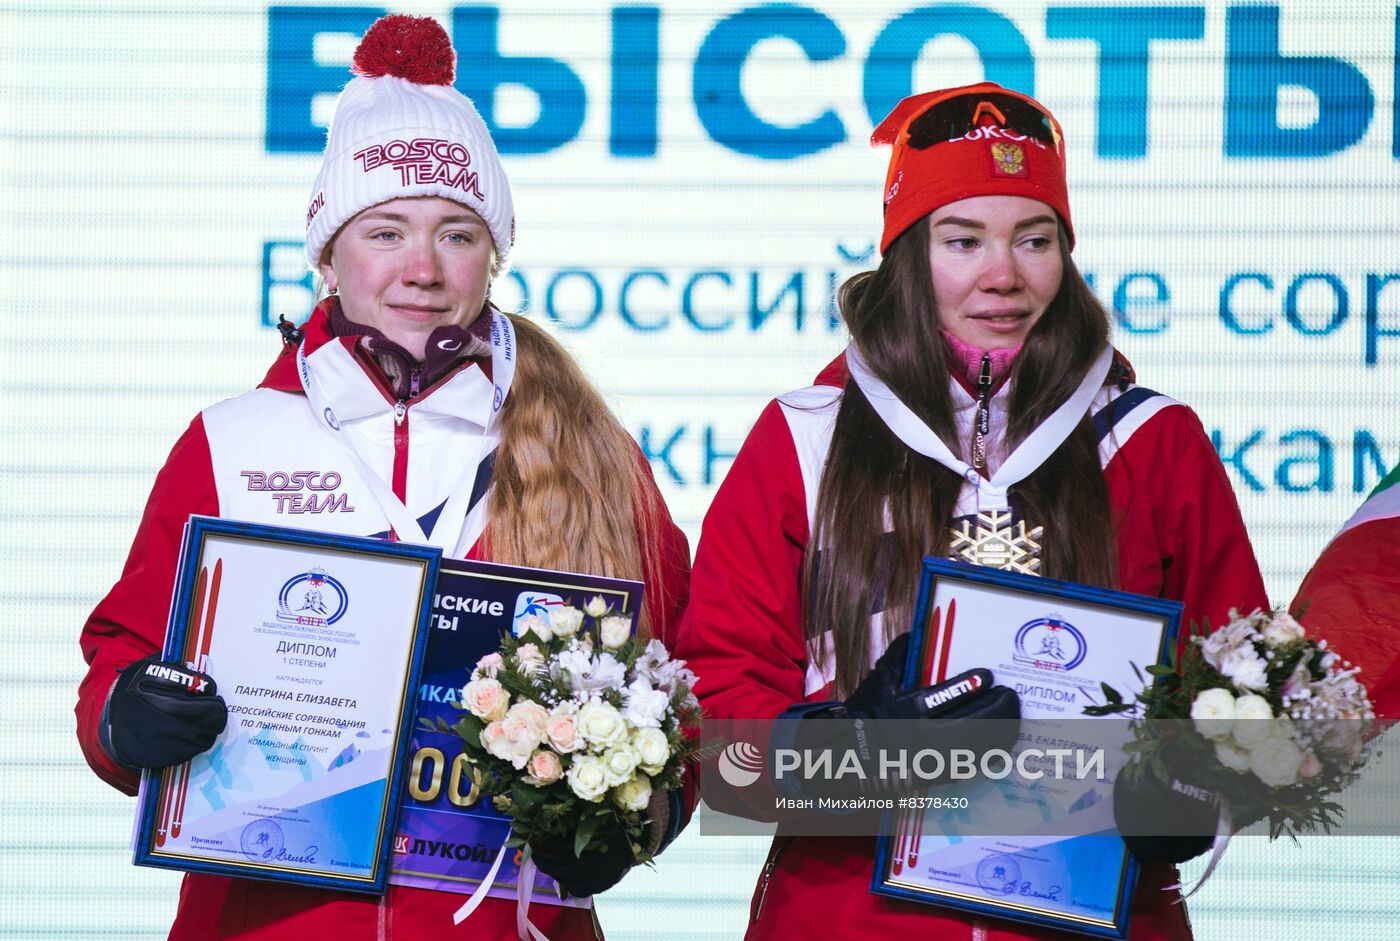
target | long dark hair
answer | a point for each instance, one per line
(881, 507)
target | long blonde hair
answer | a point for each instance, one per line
(568, 489)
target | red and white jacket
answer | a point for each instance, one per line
(1180, 536)
(264, 457)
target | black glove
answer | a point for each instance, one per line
(597, 870)
(162, 714)
(950, 715)
(1164, 821)
(881, 695)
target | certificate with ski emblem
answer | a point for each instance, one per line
(1055, 860)
(316, 643)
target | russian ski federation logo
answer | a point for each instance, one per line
(533, 604)
(313, 597)
(1050, 643)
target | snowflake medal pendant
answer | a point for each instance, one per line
(996, 539)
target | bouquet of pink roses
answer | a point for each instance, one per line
(575, 723)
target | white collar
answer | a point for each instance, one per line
(338, 390)
(1018, 465)
(354, 393)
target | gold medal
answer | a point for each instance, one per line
(993, 539)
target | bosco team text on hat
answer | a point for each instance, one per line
(401, 129)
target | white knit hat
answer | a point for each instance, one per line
(401, 129)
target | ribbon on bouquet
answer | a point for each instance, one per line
(487, 881)
(524, 886)
(1224, 825)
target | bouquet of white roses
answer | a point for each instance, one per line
(1271, 718)
(575, 723)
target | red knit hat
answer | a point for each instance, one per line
(978, 140)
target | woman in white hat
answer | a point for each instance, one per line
(438, 418)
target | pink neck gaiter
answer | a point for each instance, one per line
(967, 359)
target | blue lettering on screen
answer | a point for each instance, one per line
(1313, 304)
(889, 68)
(288, 286)
(295, 78)
(1124, 35)
(1375, 284)
(560, 91)
(1259, 460)
(1140, 302)
(1289, 460)
(1255, 69)
(719, 101)
(636, 59)
(1293, 460)
(1306, 459)
(702, 463)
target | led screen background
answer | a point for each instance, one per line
(691, 181)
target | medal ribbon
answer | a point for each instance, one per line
(453, 530)
(1020, 464)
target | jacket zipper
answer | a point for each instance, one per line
(400, 484)
(768, 867)
(400, 474)
(983, 427)
(415, 376)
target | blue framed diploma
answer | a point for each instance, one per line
(1054, 642)
(316, 642)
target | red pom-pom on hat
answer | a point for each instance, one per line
(415, 48)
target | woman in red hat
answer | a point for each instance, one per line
(441, 420)
(978, 412)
